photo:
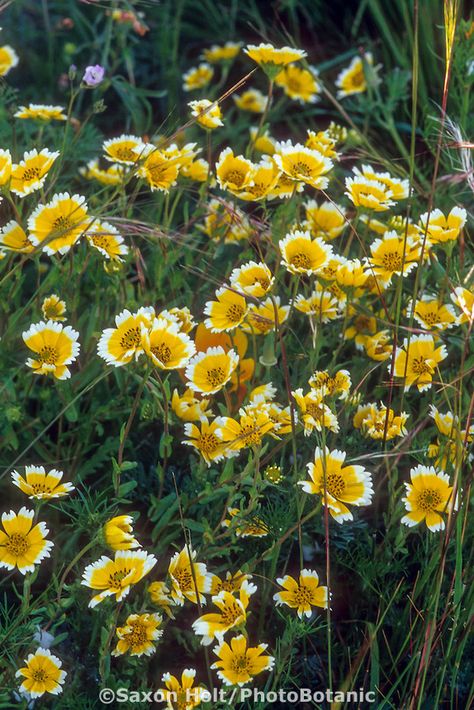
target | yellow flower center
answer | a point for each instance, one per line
(123, 153)
(362, 324)
(240, 665)
(231, 613)
(315, 410)
(235, 177)
(137, 636)
(40, 488)
(48, 355)
(300, 168)
(227, 586)
(300, 261)
(302, 596)
(62, 224)
(293, 84)
(251, 435)
(263, 281)
(392, 261)
(17, 544)
(31, 173)
(420, 366)
(162, 352)
(184, 578)
(235, 313)
(429, 499)
(157, 172)
(115, 579)
(358, 79)
(130, 339)
(101, 240)
(431, 317)
(216, 376)
(51, 311)
(335, 484)
(40, 675)
(208, 443)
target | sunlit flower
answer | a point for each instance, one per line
(398, 188)
(233, 173)
(5, 166)
(58, 224)
(124, 149)
(431, 314)
(53, 308)
(314, 412)
(42, 674)
(303, 164)
(55, 347)
(221, 53)
(265, 175)
(238, 663)
(299, 84)
(182, 695)
(251, 100)
(41, 112)
(227, 312)
(251, 526)
(337, 385)
(190, 408)
(428, 495)
(271, 59)
(303, 594)
(262, 318)
(247, 431)
(337, 484)
(8, 59)
(166, 345)
(188, 578)
(13, 238)
(416, 361)
(41, 485)
(116, 577)
(30, 173)
(207, 113)
(326, 220)
(107, 240)
(463, 298)
(320, 304)
(118, 346)
(118, 533)
(197, 77)
(369, 193)
(352, 80)
(253, 279)
(206, 439)
(232, 612)
(440, 229)
(374, 422)
(159, 169)
(23, 545)
(209, 371)
(112, 175)
(322, 142)
(393, 255)
(138, 635)
(160, 595)
(303, 255)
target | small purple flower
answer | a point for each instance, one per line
(93, 76)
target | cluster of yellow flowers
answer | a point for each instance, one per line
(216, 351)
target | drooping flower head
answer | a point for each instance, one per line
(271, 59)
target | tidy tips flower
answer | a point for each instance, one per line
(138, 635)
(42, 674)
(22, 544)
(116, 577)
(55, 347)
(303, 594)
(41, 485)
(239, 663)
(428, 495)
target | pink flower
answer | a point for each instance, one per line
(93, 76)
